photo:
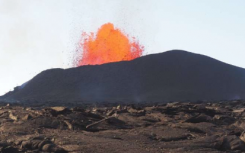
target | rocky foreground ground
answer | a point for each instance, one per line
(173, 127)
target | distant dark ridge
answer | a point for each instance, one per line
(170, 76)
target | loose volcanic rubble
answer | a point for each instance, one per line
(137, 128)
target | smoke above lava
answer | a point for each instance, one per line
(108, 45)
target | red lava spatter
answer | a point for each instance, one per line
(108, 45)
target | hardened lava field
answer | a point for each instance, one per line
(173, 127)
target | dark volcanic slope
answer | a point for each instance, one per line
(172, 75)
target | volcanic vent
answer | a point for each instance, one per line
(169, 76)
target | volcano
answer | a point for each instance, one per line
(169, 76)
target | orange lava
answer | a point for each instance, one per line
(109, 45)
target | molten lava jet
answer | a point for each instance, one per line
(108, 45)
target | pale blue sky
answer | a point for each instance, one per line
(39, 35)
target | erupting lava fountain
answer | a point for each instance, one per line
(108, 45)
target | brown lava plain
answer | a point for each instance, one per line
(173, 127)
